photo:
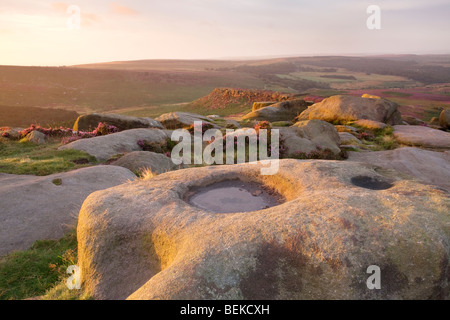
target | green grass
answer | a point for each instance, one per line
(380, 139)
(156, 111)
(29, 158)
(31, 273)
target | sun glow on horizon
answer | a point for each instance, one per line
(37, 34)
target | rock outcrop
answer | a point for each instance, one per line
(426, 166)
(141, 240)
(342, 108)
(308, 136)
(36, 137)
(370, 124)
(259, 105)
(422, 136)
(348, 138)
(182, 120)
(104, 147)
(444, 119)
(34, 208)
(282, 111)
(141, 160)
(88, 122)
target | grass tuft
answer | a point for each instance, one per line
(40, 160)
(30, 273)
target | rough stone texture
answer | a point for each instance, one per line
(348, 138)
(90, 121)
(310, 135)
(36, 137)
(367, 95)
(143, 241)
(140, 160)
(444, 119)
(104, 147)
(351, 108)
(370, 124)
(225, 123)
(34, 208)
(412, 120)
(281, 111)
(259, 105)
(424, 165)
(180, 120)
(12, 133)
(341, 128)
(434, 122)
(422, 136)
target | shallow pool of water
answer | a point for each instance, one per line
(233, 196)
(370, 183)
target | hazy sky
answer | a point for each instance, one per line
(37, 33)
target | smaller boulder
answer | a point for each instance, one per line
(444, 119)
(370, 124)
(260, 105)
(344, 108)
(422, 136)
(88, 122)
(370, 96)
(412, 120)
(182, 120)
(434, 122)
(310, 135)
(141, 160)
(11, 133)
(36, 137)
(104, 147)
(348, 138)
(281, 111)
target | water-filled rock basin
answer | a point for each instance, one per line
(371, 183)
(232, 196)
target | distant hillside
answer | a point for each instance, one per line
(25, 116)
(87, 90)
(153, 87)
(221, 98)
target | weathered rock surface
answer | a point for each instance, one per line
(434, 122)
(11, 133)
(224, 123)
(281, 111)
(351, 108)
(422, 136)
(371, 96)
(348, 138)
(341, 128)
(424, 165)
(140, 160)
(370, 124)
(444, 119)
(104, 147)
(412, 120)
(34, 208)
(90, 121)
(181, 120)
(310, 135)
(259, 105)
(143, 241)
(36, 137)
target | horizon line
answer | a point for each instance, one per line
(244, 58)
